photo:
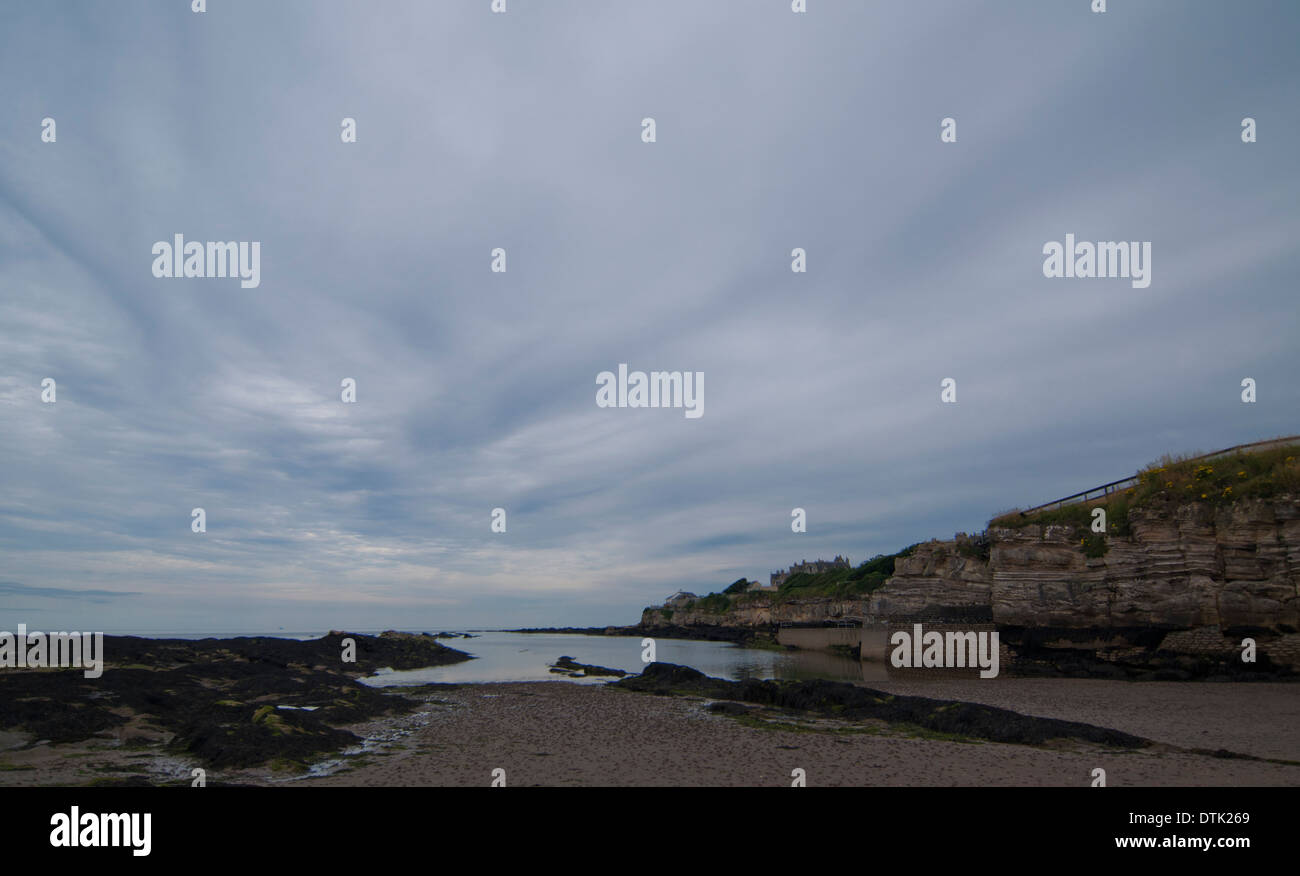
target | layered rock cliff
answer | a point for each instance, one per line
(1193, 576)
(1193, 565)
(756, 610)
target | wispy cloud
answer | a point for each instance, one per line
(12, 588)
(477, 390)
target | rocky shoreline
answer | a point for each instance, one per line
(223, 703)
(837, 699)
(259, 711)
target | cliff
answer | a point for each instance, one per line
(1195, 577)
(1234, 566)
(755, 610)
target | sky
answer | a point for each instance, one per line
(476, 389)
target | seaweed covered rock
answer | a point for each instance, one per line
(231, 702)
(570, 667)
(850, 702)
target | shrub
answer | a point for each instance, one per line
(714, 603)
(740, 585)
(1218, 482)
(977, 547)
(844, 583)
(1094, 545)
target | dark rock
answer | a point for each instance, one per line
(217, 698)
(660, 676)
(568, 666)
(846, 701)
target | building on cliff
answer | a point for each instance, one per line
(813, 568)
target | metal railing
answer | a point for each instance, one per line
(1123, 484)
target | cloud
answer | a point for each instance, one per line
(476, 390)
(12, 588)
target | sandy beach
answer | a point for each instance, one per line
(1260, 719)
(564, 734)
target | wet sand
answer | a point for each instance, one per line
(564, 734)
(1260, 719)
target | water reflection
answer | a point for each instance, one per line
(527, 657)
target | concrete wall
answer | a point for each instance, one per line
(875, 643)
(818, 638)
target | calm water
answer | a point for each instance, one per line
(528, 657)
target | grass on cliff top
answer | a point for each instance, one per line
(837, 583)
(842, 583)
(1178, 480)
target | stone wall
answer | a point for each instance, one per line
(1284, 649)
(819, 638)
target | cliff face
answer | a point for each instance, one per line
(757, 610)
(942, 579)
(1192, 567)
(1189, 566)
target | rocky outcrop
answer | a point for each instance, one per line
(839, 700)
(573, 669)
(1188, 566)
(950, 580)
(1220, 573)
(228, 703)
(756, 609)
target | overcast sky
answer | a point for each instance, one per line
(477, 390)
